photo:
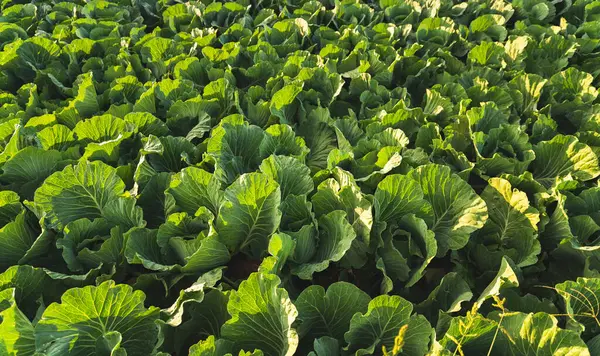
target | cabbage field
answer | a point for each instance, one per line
(300, 177)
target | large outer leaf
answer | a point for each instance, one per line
(100, 128)
(505, 278)
(147, 123)
(84, 104)
(195, 256)
(88, 316)
(473, 334)
(573, 84)
(281, 247)
(556, 227)
(16, 238)
(31, 285)
(512, 334)
(193, 187)
(335, 238)
(582, 302)
(458, 210)
(16, 332)
(320, 138)
(210, 347)
(200, 320)
(326, 346)
(511, 227)
(526, 92)
(235, 149)
(168, 153)
(446, 297)
(208, 253)
(398, 195)
(261, 317)
(328, 313)
(26, 170)
(281, 103)
(10, 206)
(282, 140)
(56, 137)
(192, 295)
(380, 324)
(250, 213)
(75, 235)
(407, 250)
(536, 334)
(81, 191)
(561, 156)
(152, 200)
(341, 192)
(291, 174)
